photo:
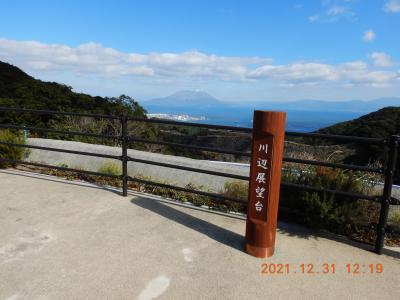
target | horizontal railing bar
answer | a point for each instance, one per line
(21, 162)
(289, 210)
(217, 150)
(394, 201)
(173, 187)
(54, 112)
(336, 192)
(337, 137)
(333, 165)
(211, 126)
(189, 169)
(250, 130)
(181, 123)
(9, 126)
(301, 213)
(61, 150)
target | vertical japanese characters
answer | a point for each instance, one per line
(261, 176)
(264, 185)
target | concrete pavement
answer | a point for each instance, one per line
(71, 240)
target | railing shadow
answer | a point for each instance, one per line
(235, 240)
(217, 233)
(52, 178)
(213, 231)
(295, 230)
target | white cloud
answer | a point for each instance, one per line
(392, 6)
(296, 73)
(354, 73)
(313, 18)
(357, 73)
(332, 13)
(336, 10)
(381, 59)
(97, 61)
(369, 36)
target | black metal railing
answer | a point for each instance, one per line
(124, 139)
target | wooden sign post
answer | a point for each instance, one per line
(265, 178)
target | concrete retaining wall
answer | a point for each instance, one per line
(173, 176)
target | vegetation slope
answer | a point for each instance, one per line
(18, 89)
(380, 124)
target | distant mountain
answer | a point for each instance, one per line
(187, 99)
(345, 106)
(194, 102)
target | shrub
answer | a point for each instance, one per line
(63, 165)
(394, 219)
(334, 212)
(196, 199)
(236, 189)
(11, 152)
(110, 168)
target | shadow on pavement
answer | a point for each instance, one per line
(295, 230)
(214, 232)
(235, 240)
(52, 178)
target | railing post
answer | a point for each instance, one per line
(265, 179)
(124, 157)
(387, 192)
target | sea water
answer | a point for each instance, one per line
(296, 120)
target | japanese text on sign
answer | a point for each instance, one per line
(261, 176)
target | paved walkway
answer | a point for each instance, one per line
(67, 240)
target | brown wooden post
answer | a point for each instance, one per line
(265, 179)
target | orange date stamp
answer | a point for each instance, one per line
(325, 268)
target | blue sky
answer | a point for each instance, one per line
(235, 50)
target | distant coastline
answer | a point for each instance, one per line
(176, 117)
(301, 121)
(302, 115)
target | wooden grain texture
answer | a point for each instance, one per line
(268, 127)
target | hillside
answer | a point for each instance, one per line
(18, 89)
(382, 123)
